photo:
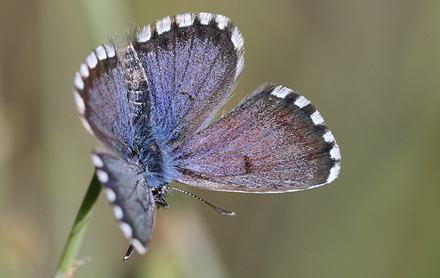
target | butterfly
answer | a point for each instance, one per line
(152, 103)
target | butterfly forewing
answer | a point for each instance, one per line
(275, 141)
(192, 62)
(100, 95)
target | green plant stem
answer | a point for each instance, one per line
(67, 262)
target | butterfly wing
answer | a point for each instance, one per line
(112, 97)
(132, 200)
(101, 98)
(192, 63)
(275, 141)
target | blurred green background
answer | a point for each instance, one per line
(371, 67)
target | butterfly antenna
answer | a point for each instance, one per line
(128, 254)
(217, 209)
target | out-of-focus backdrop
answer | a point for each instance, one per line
(371, 67)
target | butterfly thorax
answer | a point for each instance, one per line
(156, 167)
(155, 163)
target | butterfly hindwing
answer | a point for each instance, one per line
(131, 198)
(275, 141)
(192, 62)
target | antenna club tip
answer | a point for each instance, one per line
(129, 252)
(226, 213)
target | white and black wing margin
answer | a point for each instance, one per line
(132, 200)
(274, 141)
(192, 63)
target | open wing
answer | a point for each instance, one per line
(192, 63)
(111, 94)
(131, 198)
(275, 141)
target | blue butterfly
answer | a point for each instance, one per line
(151, 104)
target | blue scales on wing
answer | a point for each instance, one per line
(101, 98)
(192, 63)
